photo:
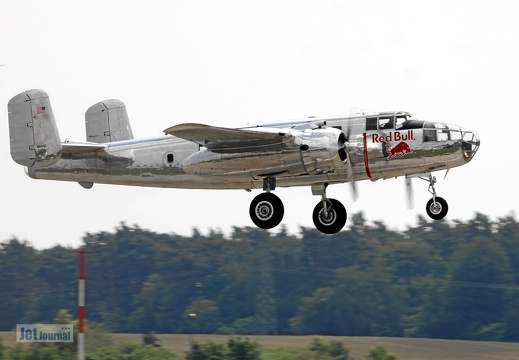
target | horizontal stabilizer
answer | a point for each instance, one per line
(223, 139)
(79, 147)
(78, 150)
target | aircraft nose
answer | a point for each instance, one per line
(470, 144)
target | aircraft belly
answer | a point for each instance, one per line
(147, 173)
(139, 178)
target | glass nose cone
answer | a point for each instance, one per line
(470, 144)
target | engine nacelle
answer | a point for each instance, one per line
(312, 151)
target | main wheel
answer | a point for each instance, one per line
(266, 210)
(333, 221)
(437, 210)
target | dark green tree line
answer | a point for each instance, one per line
(437, 279)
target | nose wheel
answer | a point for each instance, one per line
(437, 208)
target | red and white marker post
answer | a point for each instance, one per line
(81, 304)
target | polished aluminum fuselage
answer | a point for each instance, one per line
(374, 154)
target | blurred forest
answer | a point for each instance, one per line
(451, 280)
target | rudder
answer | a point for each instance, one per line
(33, 133)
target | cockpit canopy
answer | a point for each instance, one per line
(392, 120)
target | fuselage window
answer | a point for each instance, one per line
(371, 124)
(443, 132)
(429, 135)
(169, 159)
(455, 135)
(429, 132)
(468, 136)
(443, 135)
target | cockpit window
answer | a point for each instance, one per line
(386, 122)
(411, 124)
(400, 120)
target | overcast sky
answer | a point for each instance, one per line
(230, 63)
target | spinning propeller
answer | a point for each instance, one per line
(348, 150)
(409, 193)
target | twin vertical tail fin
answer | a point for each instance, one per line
(107, 121)
(33, 134)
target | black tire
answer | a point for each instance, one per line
(336, 217)
(437, 210)
(266, 211)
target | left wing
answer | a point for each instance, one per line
(220, 139)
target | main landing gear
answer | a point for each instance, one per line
(266, 210)
(436, 207)
(329, 215)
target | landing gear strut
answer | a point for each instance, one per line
(436, 207)
(329, 215)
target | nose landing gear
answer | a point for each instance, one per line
(436, 207)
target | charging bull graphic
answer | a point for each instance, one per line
(401, 149)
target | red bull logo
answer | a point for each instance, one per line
(388, 151)
(401, 149)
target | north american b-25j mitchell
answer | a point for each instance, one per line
(314, 152)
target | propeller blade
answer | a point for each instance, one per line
(351, 178)
(354, 192)
(409, 193)
(351, 174)
(348, 131)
